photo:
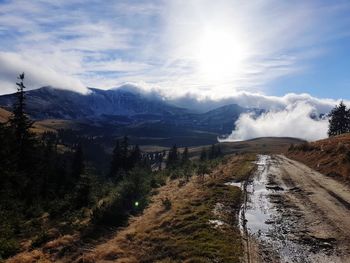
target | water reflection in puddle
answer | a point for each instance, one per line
(258, 208)
(260, 219)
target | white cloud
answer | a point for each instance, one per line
(40, 74)
(156, 42)
(254, 100)
(294, 121)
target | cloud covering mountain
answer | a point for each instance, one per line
(298, 120)
(293, 115)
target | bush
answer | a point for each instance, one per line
(41, 238)
(109, 210)
(8, 247)
(8, 244)
(291, 147)
(166, 204)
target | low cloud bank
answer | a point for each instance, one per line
(39, 74)
(298, 120)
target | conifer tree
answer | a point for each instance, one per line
(339, 120)
(173, 156)
(20, 125)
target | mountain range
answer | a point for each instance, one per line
(127, 111)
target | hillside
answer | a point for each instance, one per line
(4, 115)
(330, 156)
(198, 223)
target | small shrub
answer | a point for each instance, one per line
(291, 147)
(41, 238)
(166, 204)
(8, 247)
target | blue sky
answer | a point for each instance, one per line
(206, 48)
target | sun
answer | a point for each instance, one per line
(219, 55)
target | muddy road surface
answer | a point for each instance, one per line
(295, 214)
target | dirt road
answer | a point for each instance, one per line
(295, 214)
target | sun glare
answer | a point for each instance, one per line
(220, 55)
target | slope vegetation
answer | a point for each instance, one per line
(201, 225)
(187, 221)
(330, 156)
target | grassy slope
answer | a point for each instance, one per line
(181, 234)
(40, 126)
(184, 233)
(330, 156)
(4, 115)
(258, 145)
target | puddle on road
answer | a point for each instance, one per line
(277, 229)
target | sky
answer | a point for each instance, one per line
(198, 48)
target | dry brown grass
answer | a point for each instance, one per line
(330, 156)
(35, 256)
(264, 145)
(60, 242)
(4, 115)
(49, 125)
(183, 233)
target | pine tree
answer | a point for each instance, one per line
(20, 125)
(339, 120)
(173, 156)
